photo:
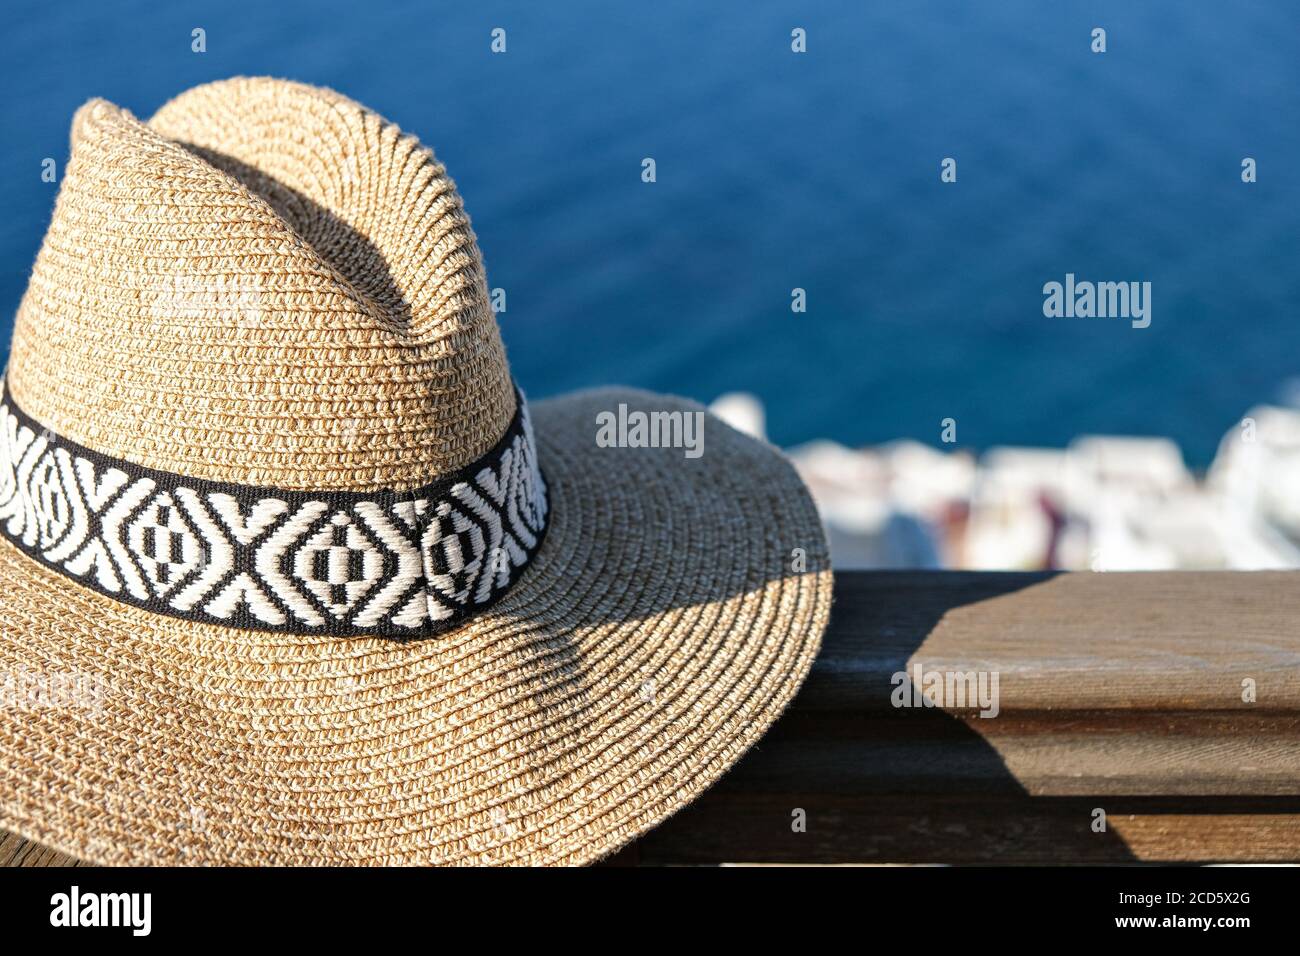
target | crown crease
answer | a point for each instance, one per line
(266, 284)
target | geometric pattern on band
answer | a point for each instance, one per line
(391, 564)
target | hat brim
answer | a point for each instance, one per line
(661, 629)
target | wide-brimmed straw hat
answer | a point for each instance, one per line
(290, 572)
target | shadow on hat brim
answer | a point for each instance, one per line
(658, 633)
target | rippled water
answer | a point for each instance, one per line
(818, 171)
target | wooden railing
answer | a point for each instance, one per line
(1164, 706)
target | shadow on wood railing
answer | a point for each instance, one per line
(1127, 695)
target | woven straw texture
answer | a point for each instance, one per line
(269, 285)
(654, 638)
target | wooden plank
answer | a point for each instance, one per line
(1057, 754)
(15, 851)
(1149, 641)
(1115, 691)
(1118, 691)
(972, 829)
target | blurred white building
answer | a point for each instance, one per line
(1256, 477)
(1104, 503)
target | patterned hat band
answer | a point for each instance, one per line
(384, 563)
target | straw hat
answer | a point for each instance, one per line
(289, 571)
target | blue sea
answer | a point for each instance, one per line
(777, 170)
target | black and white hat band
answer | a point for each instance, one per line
(383, 563)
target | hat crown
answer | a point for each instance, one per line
(268, 284)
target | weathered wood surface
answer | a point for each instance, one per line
(1118, 692)
(15, 851)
